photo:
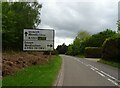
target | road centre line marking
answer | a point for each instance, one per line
(100, 74)
(86, 65)
(108, 75)
(95, 68)
(103, 74)
(92, 68)
(113, 82)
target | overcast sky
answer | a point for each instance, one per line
(68, 17)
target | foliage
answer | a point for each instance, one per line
(62, 49)
(78, 44)
(84, 39)
(97, 40)
(83, 35)
(111, 48)
(93, 52)
(70, 50)
(17, 16)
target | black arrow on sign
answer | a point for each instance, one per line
(26, 33)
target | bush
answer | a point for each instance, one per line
(111, 48)
(93, 52)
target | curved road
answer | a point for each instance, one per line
(83, 72)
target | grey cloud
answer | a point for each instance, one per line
(68, 18)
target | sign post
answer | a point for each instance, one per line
(38, 40)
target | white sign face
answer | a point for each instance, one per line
(38, 39)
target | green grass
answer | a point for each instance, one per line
(111, 63)
(37, 75)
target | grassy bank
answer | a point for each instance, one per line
(111, 63)
(37, 75)
(80, 56)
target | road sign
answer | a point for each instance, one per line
(38, 39)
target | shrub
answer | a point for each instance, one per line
(93, 52)
(111, 48)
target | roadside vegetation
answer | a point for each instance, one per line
(104, 45)
(80, 56)
(112, 63)
(13, 61)
(17, 16)
(37, 75)
(24, 68)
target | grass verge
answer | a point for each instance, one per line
(80, 56)
(111, 63)
(37, 75)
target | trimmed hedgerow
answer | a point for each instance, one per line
(93, 52)
(111, 48)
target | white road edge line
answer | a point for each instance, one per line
(61, 76)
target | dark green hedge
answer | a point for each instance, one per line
(111, 48)
(93, 52)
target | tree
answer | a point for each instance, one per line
(17, 16)
(111, 48)
(62, 49)
(84, 39)
(83, 35)
(70, 50)
(78, 44)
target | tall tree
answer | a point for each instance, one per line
(15, 17)
(78, 44)
(70, 50)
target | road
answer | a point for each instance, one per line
(83, 72)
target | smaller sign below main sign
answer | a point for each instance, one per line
(38, 40)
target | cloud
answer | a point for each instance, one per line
(69, 17)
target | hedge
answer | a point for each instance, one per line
(111, 48)
(93, 52)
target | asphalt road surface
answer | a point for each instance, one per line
(86, 72)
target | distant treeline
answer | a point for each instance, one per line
(83, 40)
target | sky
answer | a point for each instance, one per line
(68, 17)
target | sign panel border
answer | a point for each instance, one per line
(48, 29)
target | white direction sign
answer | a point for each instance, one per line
(38, 39)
